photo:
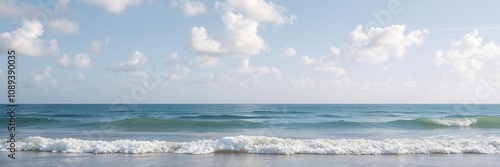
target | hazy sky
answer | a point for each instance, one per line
(253, 51)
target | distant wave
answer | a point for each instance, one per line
(478, 122)
(34, 121)
(227, 122)
(224, 116)
(266, 145)
(279, 112)
(157, 124)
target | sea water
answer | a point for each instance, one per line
(407, 134)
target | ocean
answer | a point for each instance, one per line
(253, 135)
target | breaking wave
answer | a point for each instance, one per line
(266, 145)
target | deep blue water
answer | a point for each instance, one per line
(281, 120)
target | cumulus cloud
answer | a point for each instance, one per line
(256, 72)
(205, 80)
(307, 60)
(309, 83)
(53, 47)
(135, 63)
(201, 42)
(26, 40)
(43, 78)
(323, 65)
(205, 62)
(10, 10)
(115, 6)
(242, 19)
(389, 83)
(302, 82)
(78, 61)
(175, 59)
(465, 55)
(96, 45)
(258, 10)
(329, 70)
(190, 8)
(64, 26)
(378, 44)
(290, 51)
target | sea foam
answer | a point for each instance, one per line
(454, 121)
(267, 145)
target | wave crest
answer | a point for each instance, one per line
(266, 145)
(453, 121)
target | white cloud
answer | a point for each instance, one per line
(329, 70)
(190, 8)
(53, 47)
(336, 52)
(258, 10)
(26, 40)
(464, 56)
(389, 83)
(43, 78)
(64, 26)
(337, 83)
(308, 83)
(203, 43)
(79, 61)
(242, 19)
(308, 60)
(183, 70)
(22, 10)
(243, 37)
(9, 9)
(290, 51)
(96, 45)
(323, 65)
(206, 80)
(174, 77)
(175, 59)
(302, 83)
(137, 74)
(256, 72)
(115, 6)
(205, 61)
(378, 44)
(135, 63)
(80, 77)
(369, 84)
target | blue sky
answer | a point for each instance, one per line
(253, 51)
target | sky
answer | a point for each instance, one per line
(252, 51)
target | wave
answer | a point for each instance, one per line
(156, 124)
(34, 121)
(235, 122)
(279, 112)
(477, 122)
(224, 116)
(453, 121)
(419, 123)
(266, 145)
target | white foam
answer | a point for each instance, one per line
(270, 145)
(454, 121)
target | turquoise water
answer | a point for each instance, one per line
(350, 129)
